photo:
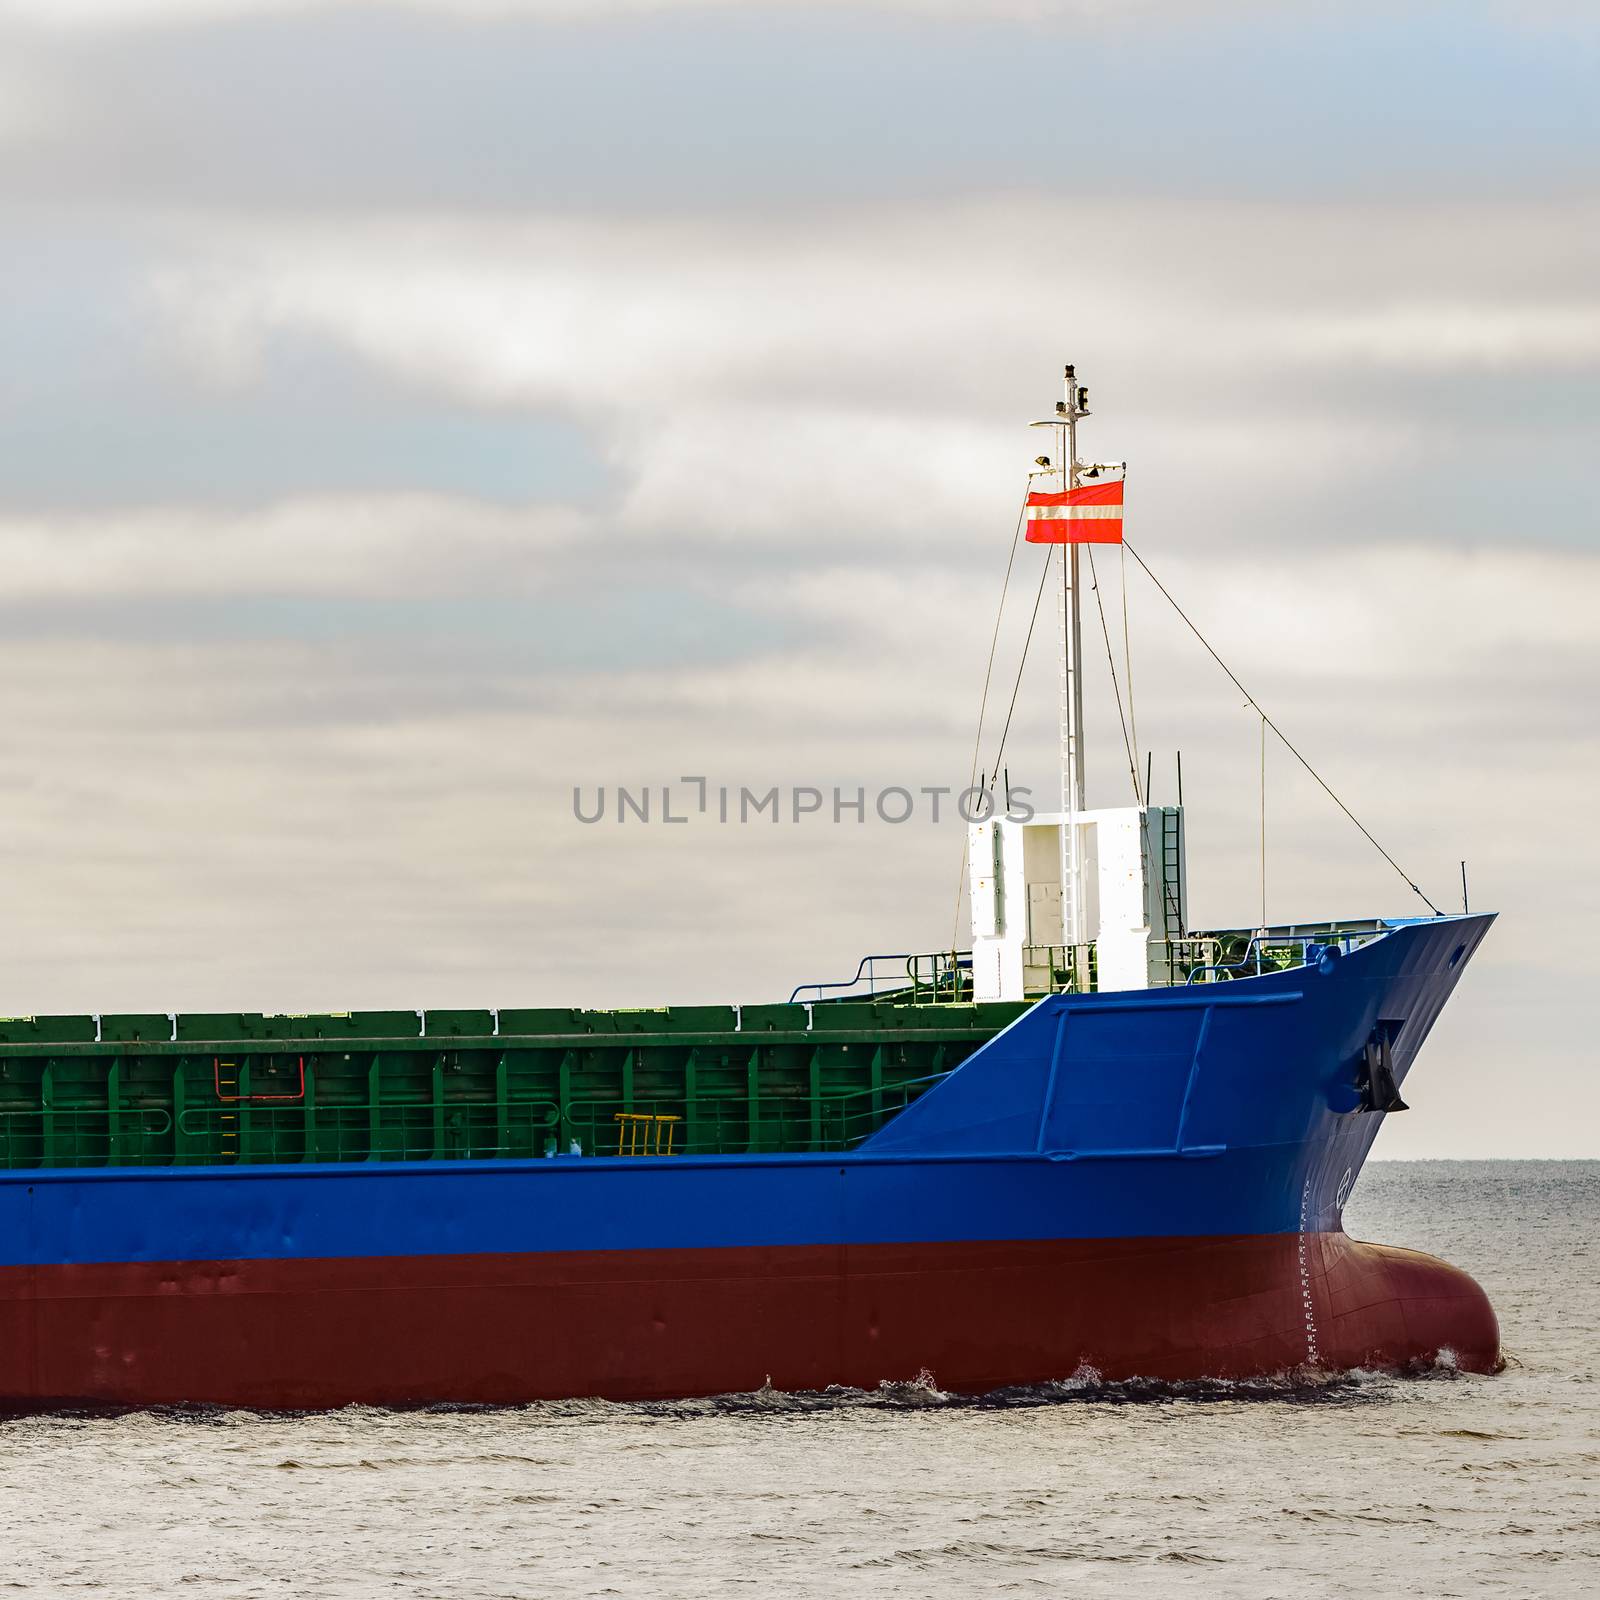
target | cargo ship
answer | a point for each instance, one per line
(1095, 1139)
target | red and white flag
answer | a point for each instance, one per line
(1090, 515)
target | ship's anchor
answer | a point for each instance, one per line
(1375, 1077)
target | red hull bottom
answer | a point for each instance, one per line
(672, 1323)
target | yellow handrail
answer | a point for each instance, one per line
(639, 1133)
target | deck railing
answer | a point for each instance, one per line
(386, 1130)
(1275, 951)
(81, 1137)
(1172, 960)
(927, 979)
(733, 1124)
(1212, 957)
(1060, 969)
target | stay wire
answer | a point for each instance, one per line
(1365, 832)
(1116, 688)
(1016, 688)
(983, 703)
(1127, 663)
(1263, 824)
(994, 641)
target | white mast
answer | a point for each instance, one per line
(1070, 683)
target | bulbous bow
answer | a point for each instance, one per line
(1377, 1305)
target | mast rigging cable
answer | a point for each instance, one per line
(983, 703)
(1130, 749)
(1283, 738)
(1116, 688)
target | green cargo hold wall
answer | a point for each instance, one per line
(225, 1089)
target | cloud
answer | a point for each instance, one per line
(141, 13)
(592, 310)
(834, 377)
(1564, 18)
(34, 105)
(1456, 337)
(1564, 15)
(367, 547)
(352, 108)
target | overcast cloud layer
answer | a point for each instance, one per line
(410, 413)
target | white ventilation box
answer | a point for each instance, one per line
(1131, 891)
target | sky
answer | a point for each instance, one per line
(413, 413)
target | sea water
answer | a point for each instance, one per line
(1357, 1485)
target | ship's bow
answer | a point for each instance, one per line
(1387, 1307)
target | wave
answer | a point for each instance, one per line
(1086, 1386)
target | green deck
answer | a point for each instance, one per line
(225, 1089)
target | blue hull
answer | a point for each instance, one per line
(1218, 1123)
